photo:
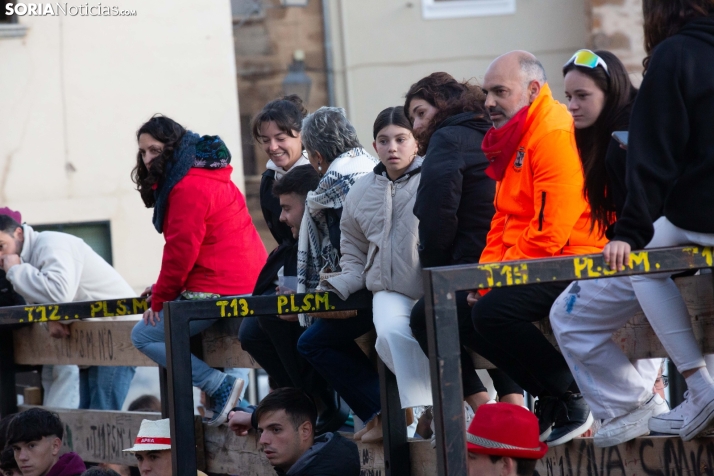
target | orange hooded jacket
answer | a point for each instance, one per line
(540, 208)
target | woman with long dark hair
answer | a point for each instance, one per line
(600, 98)
(454, 203)
(212, 248)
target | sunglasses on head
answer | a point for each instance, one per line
(587, 59)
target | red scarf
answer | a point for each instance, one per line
(499, 145)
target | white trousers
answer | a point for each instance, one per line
(663, 303)
(61, 386)
(583, 319)
(398, 348)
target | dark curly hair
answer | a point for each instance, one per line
(287, 113)
(665, 18)
(169, 133)
(449, 96)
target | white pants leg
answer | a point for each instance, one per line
(583, 319)
(61, 386)
(398, 348)
(663, 303)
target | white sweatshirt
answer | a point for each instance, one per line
(58, 267)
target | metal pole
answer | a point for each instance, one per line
(164, 391)
(394, 426)
(445, 367)
(180, 390)
(8, 397)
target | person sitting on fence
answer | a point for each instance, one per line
(540, 213)
(670, 189)
(35, 437)
(587, 313)
(285, 420)
(8, 465)
(379, 251)
(277, 128)
(8, 295)
(152, 448)
(503, 440)
(328, 344)
(272, 340)
(454, 204)
(209, 235)
(53, 267)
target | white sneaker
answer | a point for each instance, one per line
(671, 422)
(698, 413)
(661, 405)
(626, 427)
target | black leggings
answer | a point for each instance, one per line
(471, 382)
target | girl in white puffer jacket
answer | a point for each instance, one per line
(379, 246)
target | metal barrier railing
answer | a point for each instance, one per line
(443, 332)
(442, 325)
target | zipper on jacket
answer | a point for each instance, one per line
(541, 216)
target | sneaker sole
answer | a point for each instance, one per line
(222, 417)
(573, 433)
(544, 436)
(614, 440)
(699, 423)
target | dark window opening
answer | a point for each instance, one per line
(96, 234)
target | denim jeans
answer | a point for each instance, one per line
(104, 388)
(329, 345)
(150, 341)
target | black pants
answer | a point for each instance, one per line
(506, 336)
(470, 381)
(272, 342)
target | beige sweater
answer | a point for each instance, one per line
(379, 242)
(58, 267)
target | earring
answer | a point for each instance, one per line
(319, 169)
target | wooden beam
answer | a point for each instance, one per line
(90, 343)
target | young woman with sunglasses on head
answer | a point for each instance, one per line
(600, 97)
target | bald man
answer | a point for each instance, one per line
(540, 213)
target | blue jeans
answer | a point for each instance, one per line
(329, 345)
(104, 388)
(150, 341)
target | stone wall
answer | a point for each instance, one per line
(616, 25)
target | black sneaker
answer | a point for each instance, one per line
(545, 411)
(572, 418)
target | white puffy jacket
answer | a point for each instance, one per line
(380, 239)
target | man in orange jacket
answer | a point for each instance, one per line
(540, 213)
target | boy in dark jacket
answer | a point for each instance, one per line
(285, 420)
(35, 437)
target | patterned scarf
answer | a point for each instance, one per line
(207, 152)
(315, 251)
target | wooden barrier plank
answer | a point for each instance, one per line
(90, 343)
(221, 347)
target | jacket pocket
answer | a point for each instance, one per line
(541, 215)
(371, 255)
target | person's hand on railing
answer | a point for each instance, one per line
(617, 255)
(151, 317)
(240, 422)
(58, 330)
(147, 293)
(8, 261)
(472, 297)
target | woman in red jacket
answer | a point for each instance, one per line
(212, 248)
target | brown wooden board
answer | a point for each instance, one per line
(221, 347)
(90, 343)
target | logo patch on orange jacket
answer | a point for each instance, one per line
(520, 155)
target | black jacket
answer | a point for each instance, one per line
(8, 296)
(615, 160)
(454, 201)
(670, 157)
(270, 205)
(284, 256)
(330, 455)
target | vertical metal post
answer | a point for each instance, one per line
(164, 391)
(8, 397)
(442, 327)
(394, 426)
(180, 391)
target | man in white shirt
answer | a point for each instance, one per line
(53, 267)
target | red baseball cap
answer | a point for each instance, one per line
(503, 429)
